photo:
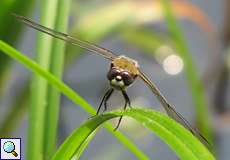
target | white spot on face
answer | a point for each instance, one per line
(118, 77)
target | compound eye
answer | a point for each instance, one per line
(113, 73)
(127, 78)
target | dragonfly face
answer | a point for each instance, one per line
(123, 71)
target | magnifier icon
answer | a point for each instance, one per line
(9, 147)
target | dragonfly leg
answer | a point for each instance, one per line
(103, 99)
(107, 98)
(125, 95)
(127, 101)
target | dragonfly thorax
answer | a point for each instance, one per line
(125, 63)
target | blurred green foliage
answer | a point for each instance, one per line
(8, 31)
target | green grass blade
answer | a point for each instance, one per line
(56, 68)
(84, 144)
(180, 140)
(191, 72)
(68, 92)
(38, 99)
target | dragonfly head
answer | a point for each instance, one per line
(120, 78)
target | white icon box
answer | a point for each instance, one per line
(10, 148)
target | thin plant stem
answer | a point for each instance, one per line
(39, 85)
(56, 68)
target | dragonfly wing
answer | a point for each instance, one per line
(65, 37)
(171, 110)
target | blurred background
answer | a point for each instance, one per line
(138, 30)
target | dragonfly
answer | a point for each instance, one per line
(122, 73)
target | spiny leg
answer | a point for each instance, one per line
(103, 99)
(127, 101)
(107, 98)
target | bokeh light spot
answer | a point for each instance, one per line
(173, 64)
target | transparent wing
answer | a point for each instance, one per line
(65, 37)
(170, 109)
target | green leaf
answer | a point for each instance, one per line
(83, 146)
(180, 140)
(68, 92)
